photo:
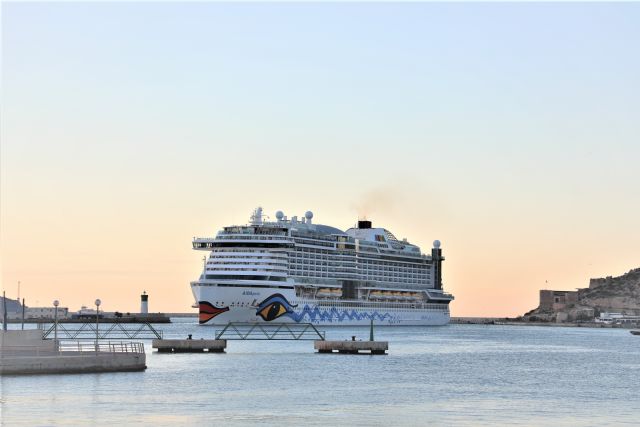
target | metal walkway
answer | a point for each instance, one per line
(270, 331)
(110, 331)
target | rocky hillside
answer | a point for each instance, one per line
(610, 294)
(618, 294)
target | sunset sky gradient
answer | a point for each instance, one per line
(511, 132)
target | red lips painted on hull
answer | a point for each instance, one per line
(208, 311)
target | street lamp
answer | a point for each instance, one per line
(98, 302)
(56, 303)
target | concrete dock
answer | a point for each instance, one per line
(189, 346)
(351, 347)
(25, 352)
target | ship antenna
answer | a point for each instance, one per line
(256, 217)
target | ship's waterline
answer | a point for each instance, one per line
(292, 270)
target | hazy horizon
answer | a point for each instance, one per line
(509, 132)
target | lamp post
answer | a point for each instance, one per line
(56, 303)
(98, 302)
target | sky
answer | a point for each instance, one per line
(509, 131)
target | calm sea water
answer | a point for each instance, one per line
(452, 375)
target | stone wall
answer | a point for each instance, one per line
(30, 339)
(76, 363)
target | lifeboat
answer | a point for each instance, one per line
(412, 296)
(404, 296)
(323, 293)
(387, 295)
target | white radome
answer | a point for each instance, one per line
(279, 215)
(436, 244)
(308, 214)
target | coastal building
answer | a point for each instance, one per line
(86, 313)
(617, 318)
(557, 300)
(14, 308)
(45, 312)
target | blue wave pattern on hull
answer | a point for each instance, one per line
(334, 314)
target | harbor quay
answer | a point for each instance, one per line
(16, 311)
(25, 352)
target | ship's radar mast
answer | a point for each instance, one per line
(256, 217)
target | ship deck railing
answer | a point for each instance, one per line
(362, 303)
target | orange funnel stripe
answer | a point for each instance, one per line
(208, 311)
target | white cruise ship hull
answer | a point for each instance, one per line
(219, 305)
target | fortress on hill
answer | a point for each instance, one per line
(610, 294)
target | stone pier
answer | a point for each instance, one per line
(25, 352)
(351, 347)
(189, 346)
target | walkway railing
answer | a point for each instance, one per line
(269, 331)
(101, 347)
(68, 348)
(87, 331)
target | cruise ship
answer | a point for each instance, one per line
(294, 270)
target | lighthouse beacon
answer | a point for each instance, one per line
(144, 303)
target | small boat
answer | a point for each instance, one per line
(635, 332)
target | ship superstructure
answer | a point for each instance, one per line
(295, 270)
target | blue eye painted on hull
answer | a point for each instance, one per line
(273, 307)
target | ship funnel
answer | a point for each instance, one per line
(364, 224)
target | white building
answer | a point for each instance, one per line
(45, 312)
(616, 318)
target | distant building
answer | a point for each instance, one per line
(45, 312)
(86, 313)
(14, 308)
(617, 318)
(556, 300)
(14, 311)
